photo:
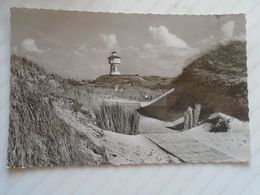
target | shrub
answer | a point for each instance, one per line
(220, 124)
(117, 119)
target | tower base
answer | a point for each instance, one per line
(115, 73)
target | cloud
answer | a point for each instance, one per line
(110, 40)
(241, 37)
(166, 38)
(208, 40)
(83, 48)
(77, 53)
(80, 51)
(205, 44)
(15, 49)
(148, 46)
(170, 53)
(228, 29)
(156, 60)
(30, 45)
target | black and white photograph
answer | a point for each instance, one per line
(93, 88)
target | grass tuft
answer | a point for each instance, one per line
(117, 119)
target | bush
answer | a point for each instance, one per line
(117, 119)
(220, 124)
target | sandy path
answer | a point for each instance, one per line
(159, 144)
(188, 149)
(197, 145)
(134, 149)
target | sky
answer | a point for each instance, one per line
(76, 44)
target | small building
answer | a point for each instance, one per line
(114, 60)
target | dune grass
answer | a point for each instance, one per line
(117, 119)
(38, 137)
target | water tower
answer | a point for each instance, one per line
(114, 61)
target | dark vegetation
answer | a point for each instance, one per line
(221, 69)
(37, 136)
(117, 119)
(126, 81)
(216, 80)
(219, 124)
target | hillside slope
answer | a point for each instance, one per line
(38, 136)
(52, 124)
(147, 82)
(216, 80)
